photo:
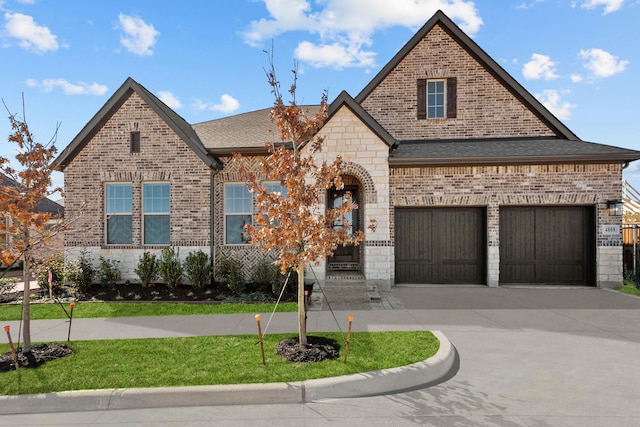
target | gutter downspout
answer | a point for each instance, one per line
(212, 249)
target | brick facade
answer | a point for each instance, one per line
(523, 185)
(485, 107)
(164, 157)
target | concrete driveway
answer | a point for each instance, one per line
(528, 357)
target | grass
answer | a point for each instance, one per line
(169, 362)
(628, 288)
(137, 309)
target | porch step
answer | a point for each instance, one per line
(374, 295)
(344, 275)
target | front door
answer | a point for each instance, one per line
(345, 257)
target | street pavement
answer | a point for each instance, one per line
(527, 357)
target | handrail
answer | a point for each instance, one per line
(629, 192)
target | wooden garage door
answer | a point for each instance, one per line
(440, 245)
(547, 245)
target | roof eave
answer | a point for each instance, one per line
(511, 160)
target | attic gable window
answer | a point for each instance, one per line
(134, 142)
(437, 98)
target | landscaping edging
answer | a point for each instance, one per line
(437, 369)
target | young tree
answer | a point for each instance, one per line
(293, 223)
(18, 198)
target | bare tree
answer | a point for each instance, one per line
(292, 222)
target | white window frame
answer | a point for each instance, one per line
(108, 214)
(230, 211)
(429, 94)
(145, 214)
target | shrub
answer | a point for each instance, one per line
(87, 272)
(266, 276)
(198, 269)
(170, 267)
(148, 268)
(6, 287)
(61, 272)
(291, 290)
(108, 272)
(53, 264)
(229, 272)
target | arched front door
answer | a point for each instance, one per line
(345, 257)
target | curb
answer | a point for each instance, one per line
(437, 369)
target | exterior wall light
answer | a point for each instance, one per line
(614, 207)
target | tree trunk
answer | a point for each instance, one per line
(26, 308)
(302, 307)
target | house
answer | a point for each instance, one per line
(470, 179)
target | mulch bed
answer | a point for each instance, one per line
(316, 350)
(39, 354)
(137, 292)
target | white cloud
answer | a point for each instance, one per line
(525, 5)
(609, 5)
(601, 63)
(228, 104)
(344, 28)
(550, 98)
(79, 88)
(31, 36)
(576, 78)
(139, 37)
(334, 55)
(540, 67)
(170, 99)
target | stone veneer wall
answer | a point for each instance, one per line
(366, 161)
(524, 185)
(164, 157)
(485, 108)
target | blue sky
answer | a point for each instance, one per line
(206, 58)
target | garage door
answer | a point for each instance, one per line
(547, 245)
(440, 245)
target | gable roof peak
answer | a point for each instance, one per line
(344, 99)
(170, 117)
(440, 18)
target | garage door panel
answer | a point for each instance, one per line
(440, 245)
(547, 245)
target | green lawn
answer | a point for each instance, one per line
(628, 288)
(168, 362)
(136, 309)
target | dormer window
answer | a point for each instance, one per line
(134, 142)
(437, 98)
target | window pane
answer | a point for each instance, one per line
(235, 229)
(435, 99)
(156, 198)
(119, 230)
(156, 230)
(237, 199)
(118, 198)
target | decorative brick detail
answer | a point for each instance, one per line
(356, 170)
